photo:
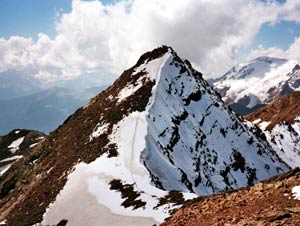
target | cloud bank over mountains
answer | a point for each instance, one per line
(106, 39)
(293, 52)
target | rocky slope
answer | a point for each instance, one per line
(15, 145)
(157, 137)
(270, 203)
(280, 121)
(250, 85)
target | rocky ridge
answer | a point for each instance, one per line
(268, 203)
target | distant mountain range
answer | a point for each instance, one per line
(43, 111)
(15, 84)
(28, 103)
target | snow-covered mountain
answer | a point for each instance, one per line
(250, 85)
(280, 121)
(158, 136)
(24, 82)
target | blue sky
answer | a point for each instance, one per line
(29, 17)
(280, 35)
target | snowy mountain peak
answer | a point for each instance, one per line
(269, 60)
(157, 137)
(255, 68)
(148, 67)
(296, 68)
(258, 82)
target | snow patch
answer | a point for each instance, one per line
(33, 145)
(264, 125)
(99, 130)
(4, 169)
(189, 196)
(12, 158)
(15, 146)
(256, 121)
(296, 192)
(129, 90)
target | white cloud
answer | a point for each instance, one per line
(292, 53)
(109, 38)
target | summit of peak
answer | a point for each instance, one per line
(296, 68)
(154, 54)
(268, 59)
(162, 63)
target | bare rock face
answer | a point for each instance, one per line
(284, 109)
(267, 203)
(157, 137)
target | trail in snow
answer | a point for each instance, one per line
(132, 152)
(158, 70)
